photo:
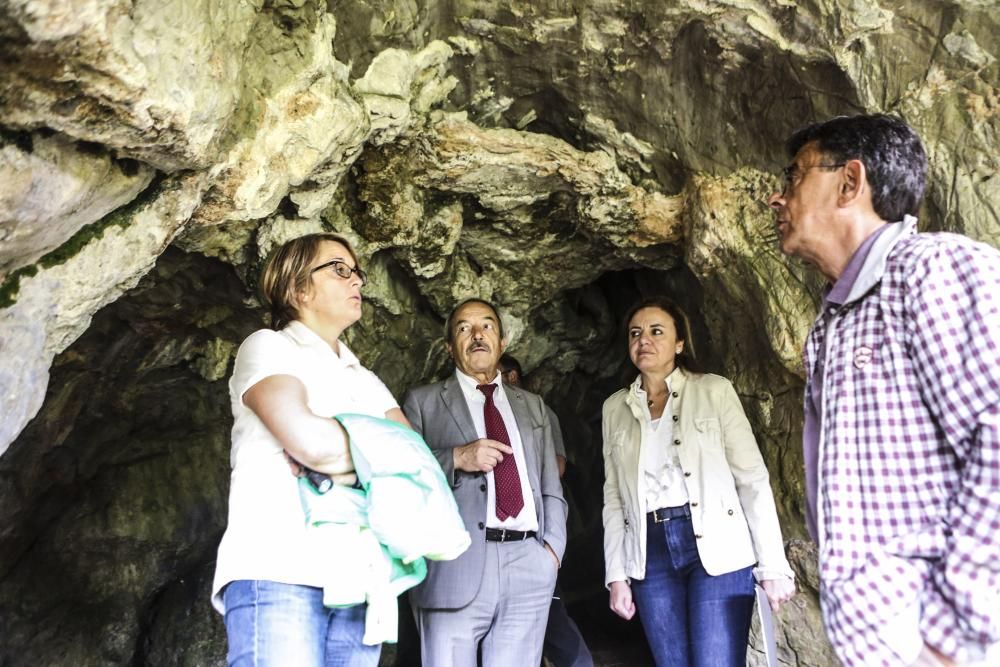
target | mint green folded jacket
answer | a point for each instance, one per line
(379, 535)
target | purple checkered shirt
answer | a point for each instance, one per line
(908, 470)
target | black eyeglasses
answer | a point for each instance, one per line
(343, 270)
(791, 171)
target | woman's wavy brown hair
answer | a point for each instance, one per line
(287, 271)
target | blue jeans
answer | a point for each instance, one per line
(271, 624)
(690, 617)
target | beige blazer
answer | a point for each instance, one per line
(732, 508)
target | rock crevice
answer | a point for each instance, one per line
(560, 158)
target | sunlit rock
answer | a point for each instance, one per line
(54, 301)
(155, 79)
(562, 159)
(51, 187)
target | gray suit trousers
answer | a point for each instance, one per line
(508, 614)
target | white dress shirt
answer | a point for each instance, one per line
(527, 518)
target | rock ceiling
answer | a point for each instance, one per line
(557, 157)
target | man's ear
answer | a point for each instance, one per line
(503, 345)
(853, 183)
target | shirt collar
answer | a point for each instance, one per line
(867, 264)
(469, 384)
(840, 289)
(637, 395)
(306, 337)
(874, 265)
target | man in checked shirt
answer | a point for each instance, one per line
(902, 404)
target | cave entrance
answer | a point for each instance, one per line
(125, 468)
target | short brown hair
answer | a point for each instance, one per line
(686, 359)
(287, 272)
(894, 157)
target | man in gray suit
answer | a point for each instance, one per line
(495, 445)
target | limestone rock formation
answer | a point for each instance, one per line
(561, 158)
(53, 188)
(53, 301)
(158, 81)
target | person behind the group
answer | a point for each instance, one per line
(902, 404)
(688, 509)
(495, 445)
(287, 383)
(563, 646)
(512, 374)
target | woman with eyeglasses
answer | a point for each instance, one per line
(689, 519)
(287, 383)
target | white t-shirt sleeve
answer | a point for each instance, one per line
(264, 353)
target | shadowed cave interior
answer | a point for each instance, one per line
(129, 457)
(559, 158)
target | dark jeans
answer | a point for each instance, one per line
(564, 645)
(690, 617)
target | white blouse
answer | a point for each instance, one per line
(663, 477)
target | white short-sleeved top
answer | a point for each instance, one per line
(266, 536)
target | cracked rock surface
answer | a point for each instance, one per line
(560, 158)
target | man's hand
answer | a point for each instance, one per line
(480, 456)
(778, 591)
(621, 600)
(930, 657)
(553, 554)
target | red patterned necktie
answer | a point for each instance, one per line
(506, 481)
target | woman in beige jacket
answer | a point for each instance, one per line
(689, 519)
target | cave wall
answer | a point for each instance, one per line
(560, 157)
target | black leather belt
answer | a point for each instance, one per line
(668, 513)
(504, 535)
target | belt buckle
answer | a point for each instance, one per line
(658, 519)
(503, 535)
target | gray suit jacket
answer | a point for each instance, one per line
(440, 414)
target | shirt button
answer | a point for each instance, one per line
(697, 537)
(677, 442)
(687, 474)
(676, 417)
(674, 394)
(730, 512)
(694, 504)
